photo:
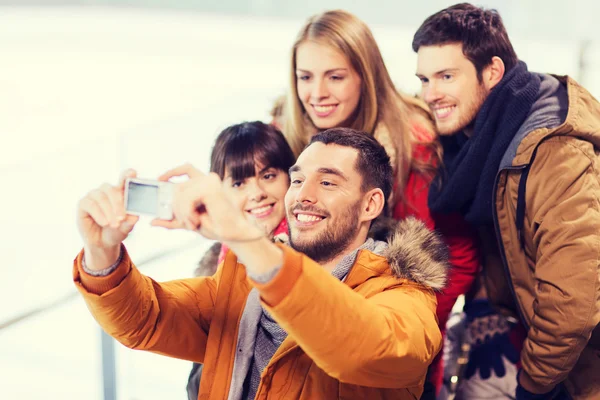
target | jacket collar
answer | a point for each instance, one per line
(581, 118)
(413, 252)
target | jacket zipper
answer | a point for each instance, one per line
(501, 244)
(562, 390)
(226, 316)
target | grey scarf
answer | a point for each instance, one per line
(260, 336)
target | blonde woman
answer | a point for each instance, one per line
(338, 79)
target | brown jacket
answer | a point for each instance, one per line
(547, 219)
(369, 337)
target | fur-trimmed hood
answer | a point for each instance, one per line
(207, 266)
(414, 252)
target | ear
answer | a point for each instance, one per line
(373, 204)
(493, 73)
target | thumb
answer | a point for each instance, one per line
(128, 223)
(128, 173)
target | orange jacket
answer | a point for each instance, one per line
(369, 337)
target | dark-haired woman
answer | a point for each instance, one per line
(252, 159)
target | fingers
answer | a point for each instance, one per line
(115, 196)
(173, 224)
(510, 351)
(185, 216)
(128, 223)
(184, 197)
(192, 223)
(204, 189)
(485, 370)
(185, 169)
(89, 207)
(105, 206)
(499, 367)
(470, 370)
(128, 173)
(184, 213)
(103, 199)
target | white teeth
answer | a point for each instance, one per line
(443, 111)
(323, 109)
(260, 210)
(308, 218)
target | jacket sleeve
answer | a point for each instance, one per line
(143, 314)
(386, 341)
(564, 210)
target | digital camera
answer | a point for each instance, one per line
(149, 197)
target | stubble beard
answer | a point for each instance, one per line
(466, 120)
(327, 245)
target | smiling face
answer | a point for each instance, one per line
(324, 202)
(328, 86)
(261, 197)
(449, 84)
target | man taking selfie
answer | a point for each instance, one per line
(337, 315)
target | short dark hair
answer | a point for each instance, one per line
(373, 162)
(239, 147)
(480, 31)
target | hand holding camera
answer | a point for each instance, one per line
(106, 215)
(103, 223)
(200, 204)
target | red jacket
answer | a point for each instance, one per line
(460, 239)
(459, 236)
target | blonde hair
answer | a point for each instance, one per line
(380, 102)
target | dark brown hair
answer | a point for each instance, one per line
(240, 147)
(373, 162)
(480, 31)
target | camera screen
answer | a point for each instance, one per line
(142, 198)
